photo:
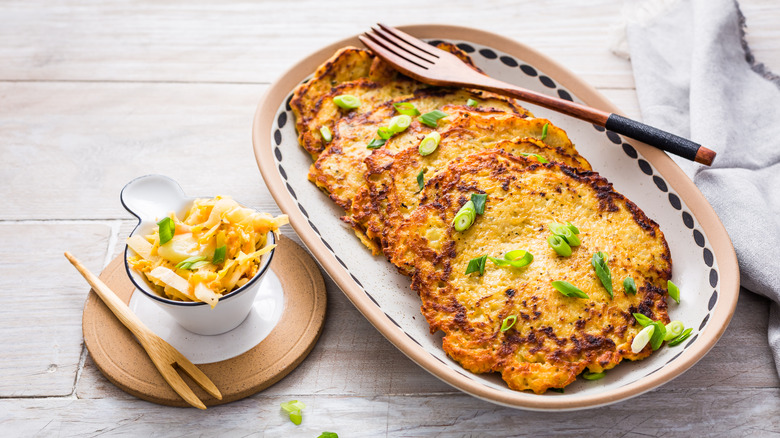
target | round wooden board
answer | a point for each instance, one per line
(121, 359)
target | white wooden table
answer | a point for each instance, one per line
(93, 94)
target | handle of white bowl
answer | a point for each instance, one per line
(152, 197)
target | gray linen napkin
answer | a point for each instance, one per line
(695, 77)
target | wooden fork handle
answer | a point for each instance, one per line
(117, 306)
(622, 125)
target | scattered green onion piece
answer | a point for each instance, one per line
(399, 123)
(421, 180)
(406, 109)
(384, 133)
(642, 319)
(658, 335)
(568, 289)
(509, 321)
(465, 217)
(429, 143)
(219, 255)
(559, 390)
(573, 229)
(538, 157)
(559, 245)
(565, 232)
(198, 265)
(346, 101)
(673, 330)
(479, 202)
(294, 408)
(587, 375)
(376, 143)
(678, 340)
(471, 103)
(167, 228)
(189, 261)
(476, 265)
(517, 258)
(629, 286)
(432, 118)
(674, 291)
(599, 262)
(328, 435)
(326, 134)
(544, 131)
(642, 339)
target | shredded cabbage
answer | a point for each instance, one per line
(210, 224)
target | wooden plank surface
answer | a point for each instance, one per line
(96, 94)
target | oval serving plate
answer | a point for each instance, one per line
(704, 263)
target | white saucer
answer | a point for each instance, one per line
(266, 311)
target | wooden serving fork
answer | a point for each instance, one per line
(162, 353)
(430, 65)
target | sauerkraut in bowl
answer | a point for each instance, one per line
(213, 250)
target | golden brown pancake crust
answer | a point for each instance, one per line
(555, 337)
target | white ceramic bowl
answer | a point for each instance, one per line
(152, 197)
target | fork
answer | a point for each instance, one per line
(430, 65)
(163, 355)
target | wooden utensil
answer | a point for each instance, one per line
(430, 65)
(163, 355)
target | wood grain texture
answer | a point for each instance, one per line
(96, 94)
(40, 304)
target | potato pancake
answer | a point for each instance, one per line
(392, 188)
(312, 101)
(555, 337)
(339, 169)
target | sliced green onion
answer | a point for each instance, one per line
(629, 286)
(658, 335)
(476, 265)
(465, 217)
(678, 340)
(432, 118)
(568, 289)
(544, 131)
(573, 229)
(328, 435)
(167, 228)
(538, 157)
(642, 339)
(559, 245)
(198, 265)
(471, 103)
(674, 291)
(421, 180)
(566, 232)
(509, 321)
(219, 255)
(384, 133)
(559, 390)
(346, 101)
(189, 261)
(326, 134)
(429, 143)
(599, 262)
(406, 109)
(673, 330)
(479, 202)
(399, 123)
(376, 143)
(587, 375)
(294, 408)
(642, 319)
(517, 258)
